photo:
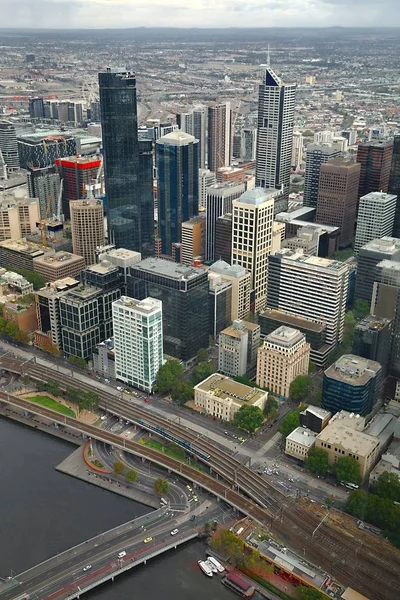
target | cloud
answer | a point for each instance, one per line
(197, 13)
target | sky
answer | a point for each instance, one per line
(197, 13)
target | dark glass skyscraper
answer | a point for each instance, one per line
(128, 222)
(394, 182)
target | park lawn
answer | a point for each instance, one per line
(177, 454)
(53, 404)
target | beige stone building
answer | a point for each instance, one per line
(299, 442)
(222, 397)
(59, 266)
(18, 215)
(87, 228)
(241, 287)
(284, 355)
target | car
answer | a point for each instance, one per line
(148, 540)
(87, 568)
(119, 388)
(226, 433)
(121, 554)
(192, 518)
(103, 417)
(189, 488)
(146, 399)
(174, 531)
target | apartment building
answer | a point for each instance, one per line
(87, 228)
(375, 218)
(59, 265)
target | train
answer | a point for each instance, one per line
(186, 445)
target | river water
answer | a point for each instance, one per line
(43, 512)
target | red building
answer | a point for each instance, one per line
(77, 172)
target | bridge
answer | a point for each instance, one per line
(91, 563)
(373, 571)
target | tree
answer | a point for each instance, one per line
(300, 387)
(77, 361)
(347, 469)
(361, 309)
(356, 503)
(201, 354)
(161, 486)
(73, 395)
(311, 368)
(131, 476)
(249, 418)
(308, 133)
(305, 593)
(289, 423)
(201, 371)
(38, 281)
(182, 392)
(387, 486)
(26, 380)
(271, 407)
(91, 400)
(317, 461)
(119, 467)
(168, 376)
(53, 387)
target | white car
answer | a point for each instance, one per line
(119, 388)
(174, 531)
(103, 418)
(121, 554)
(87, 568)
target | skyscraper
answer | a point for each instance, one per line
(206, 178)
(394, 182)
(219, 202)
(369, 256)
(195, 123)
(375, 158)
(76, 172)
(337, 197)
(87, 228)
(36, 108)
(219, 136)
(125, 212)
(253, 215)
(375, 217)
(9, 145)
(274, 132)
(178, 185)
(297, 150)
(249, 144)
(316, 156)
(44, 184)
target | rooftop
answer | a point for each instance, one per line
(311, 261)
(352, 420)
(58, 259)
(297, 322)
(351, 440)
(287, 218)
(177, 138)
(105, 266)
(258, 196)
(25, 247)
(90, 203)
(303, 436)
(146, 306)
(372, 323)
(83, 292)
(379, 197)
(167, 268)
(224, 268)
(387, 245)
(353, 369)
(226, 388)
(389, 265)
(285, 336)
(59, 286)
(318, 412)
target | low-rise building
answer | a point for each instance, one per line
(299, 442)
(389, 463)
(104, 359)
(13, 285)
(20, 254)
(59, 265)
(315, 418)
(23, 315)
(284, 355)
(221, 397)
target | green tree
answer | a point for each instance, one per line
(202, 354)
(361, 309)
(119, 467)
(308, 133)
(311, 368)
(249, 418)
(356, 503)
(78, 361)
(131, 476)
(91, 400)
(290, 422)
(347, 469)
(317, 461)
(26, 380)
(271, 407)
(168, 376)
(73, 395)
(34, 278)
(53, 387)
(387, 486)
(300, 387)
(207, 527)
(305, 593)
(161, 486)
(201, 371)
(182, 392)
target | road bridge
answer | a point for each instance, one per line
(373, 571)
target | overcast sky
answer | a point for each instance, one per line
(197, 13)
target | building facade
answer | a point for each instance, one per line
(206, 178)
(375, 218)
(193, 239)
(220, 303)
(219, 149)
(223, 238)
(58, 265)
(77, 173)
(394, 182)
(19, 215)
(372, 340)
(219, 202)
(232, 350)
(375, 158)
(241, 287)
(284, 355)
(44, 184)
(9, 145)
(316, 155)
(87, 228)
(387, 248)
(138, 341)
(299, 442)
(195, 123)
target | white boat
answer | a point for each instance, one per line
(211, 565)
(216, 564)
(205, 568)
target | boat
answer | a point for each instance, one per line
(205, 568)
(220, 568)
(211, 565)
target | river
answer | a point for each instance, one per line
(43, 512)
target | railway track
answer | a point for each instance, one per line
(346, 558)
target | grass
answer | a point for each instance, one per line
(177, 453)
(53, 404)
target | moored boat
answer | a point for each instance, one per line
(205, 568)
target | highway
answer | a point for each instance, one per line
(374, 571)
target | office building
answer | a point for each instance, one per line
(193, 239)
(3, 168)
(316, 155)
(221, 397)
(178, 185)
(20, 254)
(36, 108)
(80, 321)
(220, 303)
(233, 175)
(297, 150)
(9, 146)
(353, 384)
(385, 303)
(128, 221)
(284, 355)
(44, 185)
(13, 285)
(138, 341)
(275, 133)
(58, 265)
(146, 193)
(19, 215)
(254, 332)
(105, 277)
(77, 173)
(195, 123)
(219, 136)
(369, 256)
(104, 359)
(48, 335)
(42, 148)
(223, 238)
(339, 439)
(309, 287)
(338, 196)
(299, 442)
(248, 144)
(206, 178)
(375, 158)
(185, 296)
(375, 218)
(219, 202)
(372, 340)
(253, 215)
(241, 287)
(307, 240)
(232, 350)
(87, 228)
(315, 418)
(120, 257)
(394, 182)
